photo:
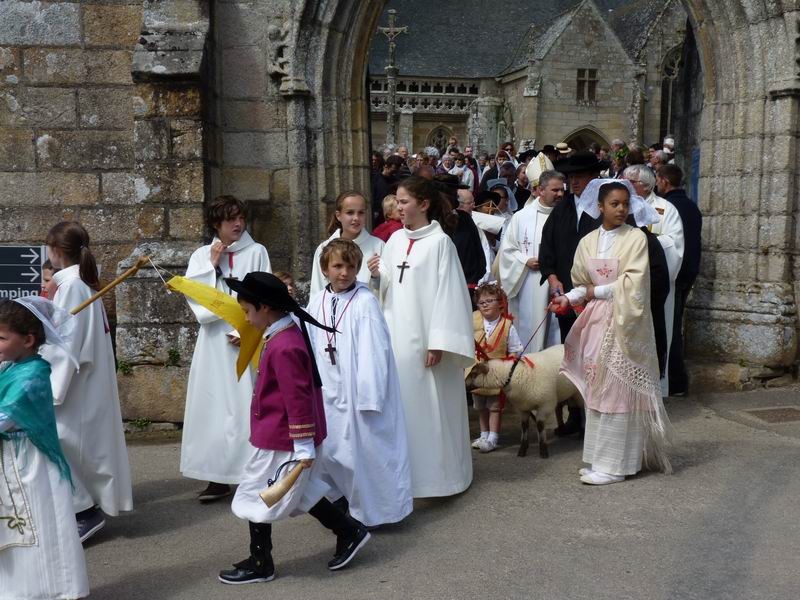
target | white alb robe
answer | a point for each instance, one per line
(216, 427)
(52, 565)
(366, 450)
(86, 401)
(370, 246)
(431, 310)
(527, 297)
(670, 234)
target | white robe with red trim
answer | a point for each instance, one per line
(431, 310)
(216, 426)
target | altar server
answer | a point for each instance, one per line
(366, 452)
(214, 445)
(87, 400)
(429, 314)
(349, 223)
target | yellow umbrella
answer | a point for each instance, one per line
(228, 309)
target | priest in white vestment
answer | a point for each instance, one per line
(366, 451)
(215, 445)
(429, 314)
(518, 263)
(670, 234)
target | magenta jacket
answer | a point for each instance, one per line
(286, 405)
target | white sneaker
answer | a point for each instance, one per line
(585, 471)
(598, 478)
(476, 443)
(487, 446)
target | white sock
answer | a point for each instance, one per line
(484, 435)
(493, 437)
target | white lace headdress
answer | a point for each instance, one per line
(59, 325)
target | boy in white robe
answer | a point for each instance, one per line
(366, 451)
(214, 446)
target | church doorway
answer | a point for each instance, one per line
(585, 137)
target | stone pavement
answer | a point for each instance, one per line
(725, 525)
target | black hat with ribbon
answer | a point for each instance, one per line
(271, 291)
(581, 162)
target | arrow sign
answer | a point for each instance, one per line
(32, 274)
(32, 254)
(20, 271)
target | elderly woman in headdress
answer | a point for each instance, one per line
(610, 352)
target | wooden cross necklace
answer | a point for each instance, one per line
(330, 349)
(404, 265)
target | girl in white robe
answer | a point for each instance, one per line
(348, 223)
(40, 554)
(87, 400)
(216, 425)
(366, 451)
(429, 313)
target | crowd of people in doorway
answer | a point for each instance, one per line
(358, 404)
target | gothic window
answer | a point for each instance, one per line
(587, 85)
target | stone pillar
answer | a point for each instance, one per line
(482, 125)
(405, 136)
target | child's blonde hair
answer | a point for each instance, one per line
(389, 206)
(349, 251)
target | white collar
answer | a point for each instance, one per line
(422, 232)
(240, 244)
(67, 273)
(281, 323)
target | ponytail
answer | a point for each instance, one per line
(71, 239)
(440, 210)
(334, 224)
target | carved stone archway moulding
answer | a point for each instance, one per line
(743, 309)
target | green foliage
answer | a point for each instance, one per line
(124, 367)
(140, 423)
(173, 358)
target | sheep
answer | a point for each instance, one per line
(535, 390)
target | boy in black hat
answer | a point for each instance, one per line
(287, 426)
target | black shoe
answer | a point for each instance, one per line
(89, 522)
(214, 491)
(248, 571)
(347, 548)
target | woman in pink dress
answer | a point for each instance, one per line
(610, 352)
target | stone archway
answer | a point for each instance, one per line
(583, 137)
(743, 307)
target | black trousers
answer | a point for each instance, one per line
(678, 378)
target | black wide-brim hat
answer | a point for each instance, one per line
(449, 183)
(581, 162)
(266, 288)
(487, 196)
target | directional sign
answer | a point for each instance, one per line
(21, 270)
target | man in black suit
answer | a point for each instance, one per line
(564, 229)
(669, 179)
(560, 236)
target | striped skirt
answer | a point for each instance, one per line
(613, 443)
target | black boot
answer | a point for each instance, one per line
(258, 567)
(350, 534)
(574, 423)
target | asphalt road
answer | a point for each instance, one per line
(725, 525)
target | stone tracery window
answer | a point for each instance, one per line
(587, 85)
(670, 71)
(438, 138)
